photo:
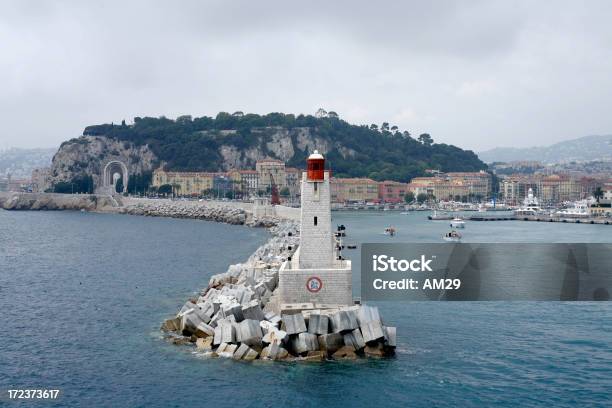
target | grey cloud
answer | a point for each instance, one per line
(473, 73)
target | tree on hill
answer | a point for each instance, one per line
(195, 144)
(426, 139)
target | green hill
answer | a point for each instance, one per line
(237, 141)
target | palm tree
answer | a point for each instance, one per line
(598, 193)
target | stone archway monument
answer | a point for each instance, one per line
(109, 179)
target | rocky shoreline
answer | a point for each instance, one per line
(238, 316)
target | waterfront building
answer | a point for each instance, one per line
(271, 171)
(420, 188)
(513, 189)
(293, 177)
(392, 191)
(184, 183)
(478, 183)
(603, 208)
(354, 190)
(249, 181)
(458, 186)
(316, 272)
(557, 188)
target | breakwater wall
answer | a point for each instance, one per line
(543, 218)
(231, 212)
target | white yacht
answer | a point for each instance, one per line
(457, 223)
(531, 205)
(580, 209)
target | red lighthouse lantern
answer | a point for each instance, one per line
(316, 167)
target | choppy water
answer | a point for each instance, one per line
(82, 296)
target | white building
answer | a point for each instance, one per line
(316, 273)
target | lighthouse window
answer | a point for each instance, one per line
(315, 220)
(315, 187)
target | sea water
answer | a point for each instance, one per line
(82, 297)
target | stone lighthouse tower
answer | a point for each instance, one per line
(316, 273)
(316, 240)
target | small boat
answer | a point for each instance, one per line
(442, 216)
(452, 236)
(391, 231)
(457, 223)
(404, 213)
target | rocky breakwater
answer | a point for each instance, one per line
(197, 210)
(238, 316)
(50, 201)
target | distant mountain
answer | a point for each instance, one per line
(19, 163)
(586, 148)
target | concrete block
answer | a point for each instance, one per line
(187, 308)
(314, 356)
(372, 331)
(376, 350)
(235, 310)
(276, 351)
(204, 344)
(390, 336)
(219, 315)
(204, 330)
(343, 321)
(172, 324)
(207, 309)
(249, 332)
(275, 335)
(250, 355)
(261, 290)
(318, 324)
(273, 318)
(228, 333)
(305, 342)
(269, 283)
(266, 326)
(354, 339)
(227, 350)
(241, 352)
(190, 321)
(331, 342)
(345, 353)
(217, 336)
(367, 314)
(294, 323)
(252, 310)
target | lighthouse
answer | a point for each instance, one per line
(316, 273)
(316, 240)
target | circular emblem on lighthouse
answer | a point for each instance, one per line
(314, 284)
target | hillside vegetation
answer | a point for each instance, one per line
(201, 144)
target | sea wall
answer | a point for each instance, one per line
(51, 202)
(232, 212)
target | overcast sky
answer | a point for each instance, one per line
(477, 74)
